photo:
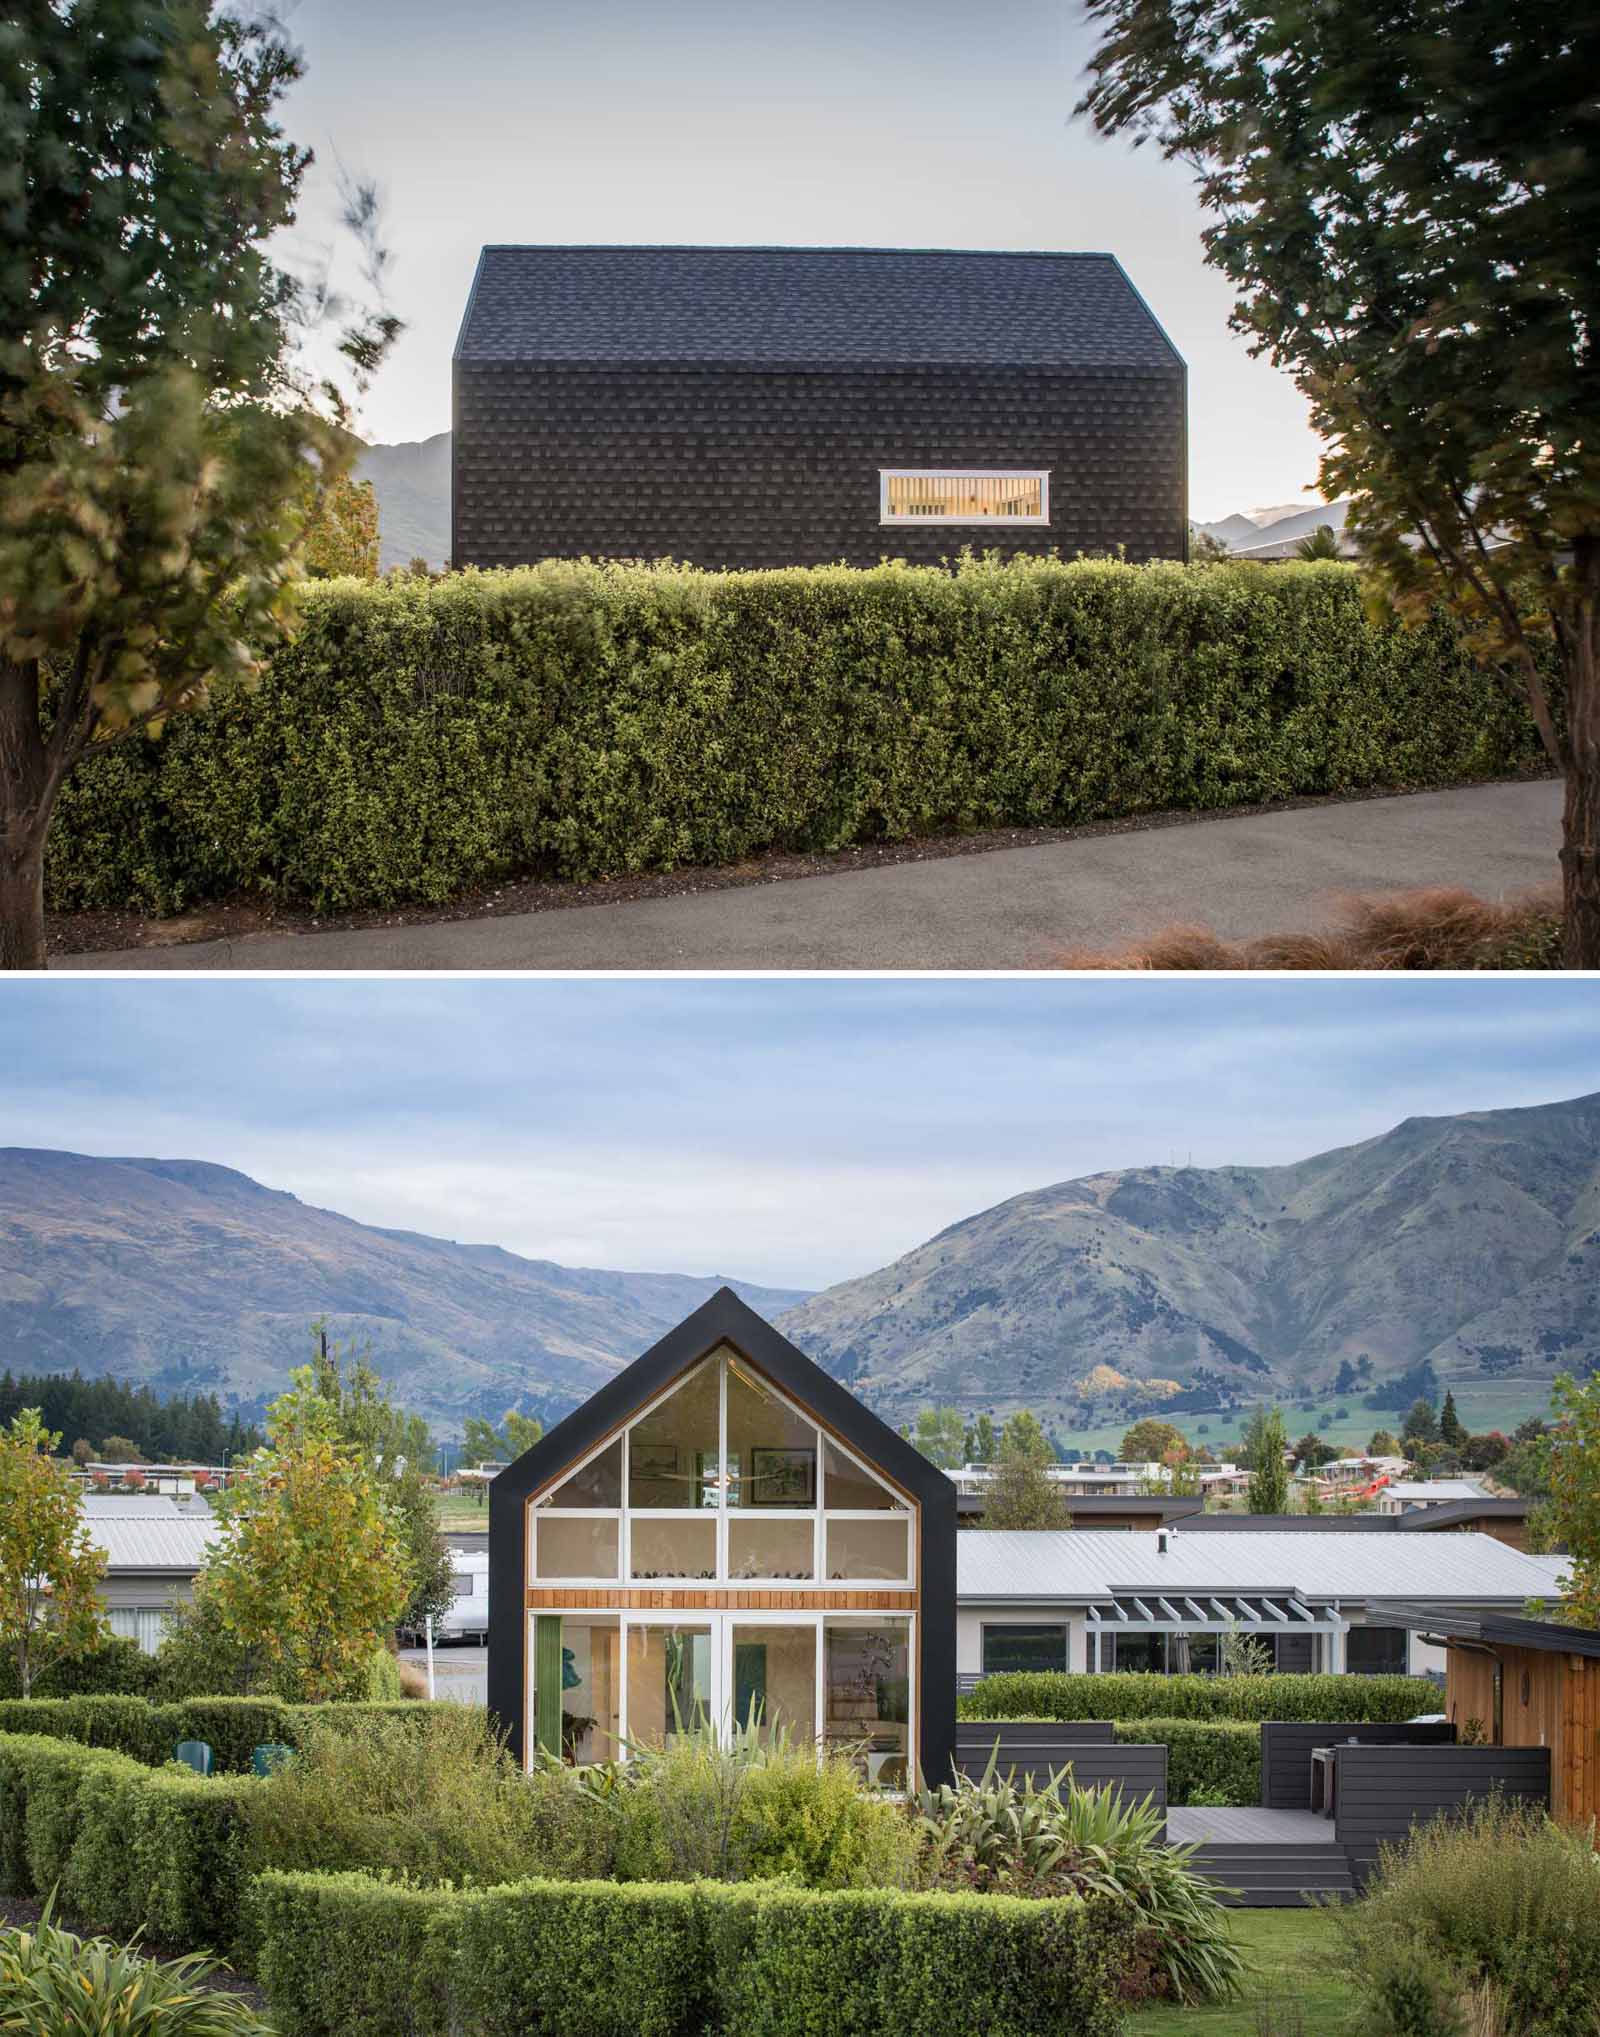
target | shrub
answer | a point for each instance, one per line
(444, 1805)
(1210, 1761)
(118, 1667)
(1498, 1898)
(53, 1984)
(1433, 929)
(1049, 1695)
(233, 1727)
(580, 720)
(594, 1959)
(996, 1834)
(130, 1848)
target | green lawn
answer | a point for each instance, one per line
(1281, 1945)
(463, 1513)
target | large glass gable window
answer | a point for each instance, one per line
(975, 495)
(722, 1480)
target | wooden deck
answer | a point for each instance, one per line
(1219, 1825)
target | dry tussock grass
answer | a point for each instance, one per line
(1441, 928)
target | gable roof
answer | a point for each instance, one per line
(141, 1543)
(809, 307)
(723, 1319)
(1085, 1565)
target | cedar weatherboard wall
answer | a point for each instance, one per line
(574, 437)
(1548, 1699)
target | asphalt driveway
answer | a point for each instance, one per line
(1006, 909)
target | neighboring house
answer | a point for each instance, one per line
(1505, 1519)
(1085, 1480)
(1164, 1601)
(1524, 1683)
(724, 1532)
(1099, 1510)
(1405, 1495)
(755, 407)
(153, 1548)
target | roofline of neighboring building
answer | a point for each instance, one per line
(1186, 1507)
(1448, 1513)
(1452, 1620)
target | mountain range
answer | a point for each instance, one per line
(193, 1277)
(412, 484)
(1469, 1244)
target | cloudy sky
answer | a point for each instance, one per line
(894, 123)
(793, 1131)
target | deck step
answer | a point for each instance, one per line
(1275, 1877)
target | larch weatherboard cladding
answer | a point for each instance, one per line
(738, 467)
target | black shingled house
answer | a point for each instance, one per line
(747, 407)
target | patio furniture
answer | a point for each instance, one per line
(195, 1754)
(1324, 1779)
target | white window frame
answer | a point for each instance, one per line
(888, 474)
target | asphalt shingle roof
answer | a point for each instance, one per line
(1083, 1565)
(809, 307)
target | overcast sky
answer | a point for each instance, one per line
(894, 123)
(793, 1131)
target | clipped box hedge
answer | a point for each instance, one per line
(1206, 1758)
(119, 1667)
(1023, 1694)
(128, 1848)
(575, 720)
(233, 1727)
(594, 1959)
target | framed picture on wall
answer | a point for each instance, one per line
(783, 1478)
(659, 1464)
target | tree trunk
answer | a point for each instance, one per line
(26, 798)
(1580, 863)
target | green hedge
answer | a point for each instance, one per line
(578, 721)
(129, 1848)
(1205, 1757)
(120, 1667)
(594, 1959)
(233, 1727)
(1050, 1695)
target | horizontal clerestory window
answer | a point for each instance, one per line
(981, 495)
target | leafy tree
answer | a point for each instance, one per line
(159, 443)
(1529, 1431)
(1384, 1443)
(1178, 1479)
(1321, 544)
(341, 532)
(82, 1452)
(310, 1573)
(983, 1440)
(1452, 1429)
(1021, 1493)
(1421, 1425)
(941, 1436)
(120, 1450)
(482, 1443)
(1266, 1447)
(1574, 1474)
(49, 1608)
(1345, 1380)
(1313, 1452)
(1404, 197)
(399, 1453)
(1525, 1468)
(1483, 1453)
(1024, 1436)
(1149, 1440)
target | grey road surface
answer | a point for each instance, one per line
(459, 1673)
(1004, 909)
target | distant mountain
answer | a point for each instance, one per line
(191, 1276)
(1250, 529)
(412, 484)
(1471, 1243)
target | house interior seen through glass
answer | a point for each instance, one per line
(723, 1490)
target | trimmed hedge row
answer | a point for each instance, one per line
(129, 1848)
(120, 1668)
(342, 1952)
(1023, 1694)
(576, 720)
(233, 1727)
(1206, 1758)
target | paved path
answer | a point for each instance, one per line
(1009, 908)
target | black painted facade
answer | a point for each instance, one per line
(584, 426)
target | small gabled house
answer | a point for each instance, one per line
(724, 1534)
(757, 407)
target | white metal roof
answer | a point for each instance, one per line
(130, 1506)
(144, 1544)
(1433, 1488)
(1082, 1565)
